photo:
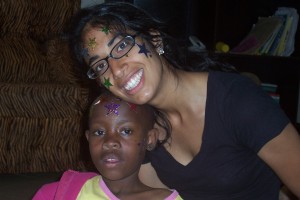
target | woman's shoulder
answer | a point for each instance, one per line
(225, 76)
(225, 81)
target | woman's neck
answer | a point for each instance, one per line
(180, 91)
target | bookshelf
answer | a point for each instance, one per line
(282, 71)
(230, 21)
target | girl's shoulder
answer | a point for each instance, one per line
(66, 188)
(71, 183)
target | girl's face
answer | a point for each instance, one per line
(118, 137)
(133, 68)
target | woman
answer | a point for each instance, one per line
(229, 139)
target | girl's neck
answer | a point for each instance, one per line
(125, 186)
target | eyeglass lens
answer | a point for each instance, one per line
(117, 52)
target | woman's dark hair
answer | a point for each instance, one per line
(162, 121)
(123, 17)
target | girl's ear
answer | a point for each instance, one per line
(152, 139)
(87, 133)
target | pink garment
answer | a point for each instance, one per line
(67, 188)
(70, 185)
(111, 196)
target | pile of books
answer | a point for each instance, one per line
(271, 89)
(273, 35)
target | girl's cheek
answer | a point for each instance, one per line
(142, 143)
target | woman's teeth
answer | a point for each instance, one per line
(134, 81)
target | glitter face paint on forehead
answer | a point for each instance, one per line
(113, 105)
(105, 30)
(92, 43)
(132, 106)
(112, 108)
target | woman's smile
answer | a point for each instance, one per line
(134, 80)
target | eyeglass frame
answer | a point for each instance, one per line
(92, 74)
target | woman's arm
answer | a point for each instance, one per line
(149, 177)
(282, 154)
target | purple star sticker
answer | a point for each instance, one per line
(112, 108)
(143, 49)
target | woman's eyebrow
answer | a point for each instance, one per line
(93, 58)
(113, 39)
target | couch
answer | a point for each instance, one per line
(43, 99)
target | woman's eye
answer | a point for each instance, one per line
(100, 66)
(126, 132)
(122, 46)
(99, 132)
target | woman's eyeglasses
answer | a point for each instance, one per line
(117, 52)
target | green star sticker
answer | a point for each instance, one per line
(107, 83)
(92, 43)
(105, 29)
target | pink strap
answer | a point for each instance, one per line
(71, 183)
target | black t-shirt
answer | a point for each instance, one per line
(239, 119)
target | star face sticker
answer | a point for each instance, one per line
(143, 49)
(107, 83)
(105, 30)
(132, 106)
(85, 52)
(92, 43)
(112, 108)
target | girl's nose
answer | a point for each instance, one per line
(111, 143)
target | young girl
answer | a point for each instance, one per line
(119, 135)
(229, 140)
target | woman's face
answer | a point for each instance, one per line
(136, 76)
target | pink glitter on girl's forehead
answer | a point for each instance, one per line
(112, 106)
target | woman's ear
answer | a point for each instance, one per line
(152, 139)
(157, 42)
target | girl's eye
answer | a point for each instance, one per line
(126, 132)
(99, 132)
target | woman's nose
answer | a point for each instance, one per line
(117, 68)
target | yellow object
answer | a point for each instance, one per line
(222, 47)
